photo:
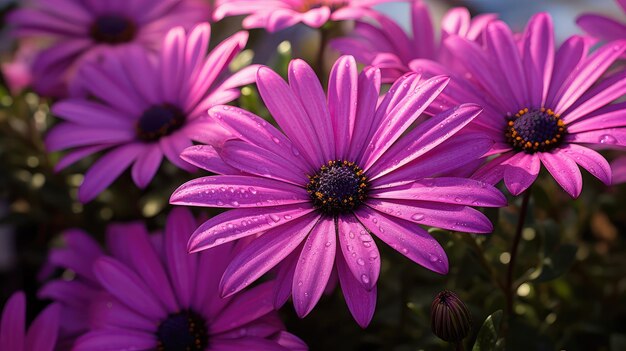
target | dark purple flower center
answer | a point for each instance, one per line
(159, 121)
(337, 187)
(184, 331)
(535, 130)
(113, 29)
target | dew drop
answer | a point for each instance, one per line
(360, 262)
(607, 139)
(351, 235)
(365, 279)
(235, 203)
(274, 217)
(275, 139)
(417, 217)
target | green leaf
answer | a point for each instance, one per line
(487, 339)
(557, 263)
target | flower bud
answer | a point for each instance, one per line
(450, 318)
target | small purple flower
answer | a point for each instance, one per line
(618, 169)
(339, 173)
(158, 297)
(145, 109)
(603, 27)
(42, 334)
(385, 44)
(81, 31)
(275, 15)
(541, 106)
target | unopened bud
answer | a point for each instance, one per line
(450, 318)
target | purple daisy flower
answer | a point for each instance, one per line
(618, 169)
(386, 45)
(82, 30)
(339, 173)
(603, 27)
(541, 106)
(42, 334)
(159, 297)
(275, 15)
(144, 109)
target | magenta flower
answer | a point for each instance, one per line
(602, 27)
(81, 31)
(338, 173)
(275, 15)
(541, 107)
(42, 334)
(618, 169)
(386, 45)
(145, 110)
(159, 297)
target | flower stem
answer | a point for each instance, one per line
(319, 64)
(510, 293)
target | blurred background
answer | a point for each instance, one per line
(571, 293)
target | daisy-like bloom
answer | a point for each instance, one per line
(80, 31)
(42, 334)
(618, 168)
(275, 15)
(339, 173)
(386, 45)
(603, 27)
(149, 294)
(541, 106)
(140, 110)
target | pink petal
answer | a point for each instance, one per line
(590, 160)
(181, 266)
(289, 114)
(538, 57)
(255, 160)
(424, 138)
(107, 169)
(458, 191)
(12, 324)
(308, 89)
(369, 91)
(115, 340)
(360, 301)
(239, 223)
(146, 166)
(359, 251)
(407, 238)
(43, 332)
(238, 192)
(264, 253)
(403, 115)
(564, 170)
(255, 130)
(207, 158)
(246, 307)
(128, 287)
(342, 102)
(520, 172)
(314, 266)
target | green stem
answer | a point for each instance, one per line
(510, 292)
(319, 64)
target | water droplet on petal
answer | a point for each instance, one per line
(360, 262)
(607, 139)
(365, 279)
(417, 217)
(274, 217)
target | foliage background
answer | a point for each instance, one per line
(571, 270)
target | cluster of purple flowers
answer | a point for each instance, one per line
(135, 82)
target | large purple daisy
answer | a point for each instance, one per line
(158, 297)
(541, 107)
(140, 110)
(42, 334)
(275, 15)
(339, 173)
(82, 30)
(386, 45)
